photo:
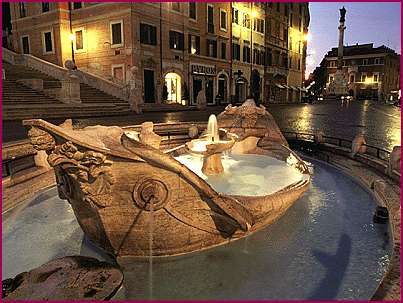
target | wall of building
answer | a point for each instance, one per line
(133, 62)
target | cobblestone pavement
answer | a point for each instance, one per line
(380, 123)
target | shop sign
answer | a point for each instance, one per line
(200, 69)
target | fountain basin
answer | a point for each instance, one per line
(284, 260)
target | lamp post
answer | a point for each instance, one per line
(253, 15)
(71, 36)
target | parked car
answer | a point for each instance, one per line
(348, 98)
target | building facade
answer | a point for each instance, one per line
(371, 72)
(168, 52)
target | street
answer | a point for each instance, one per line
(379, 123)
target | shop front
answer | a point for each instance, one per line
(203, 78)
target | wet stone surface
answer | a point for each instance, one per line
(380, 123)
(324, 247)
(68, 278)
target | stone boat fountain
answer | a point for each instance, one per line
(134, 199)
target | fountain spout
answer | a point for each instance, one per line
(212, 128)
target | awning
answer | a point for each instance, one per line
(286, 86)
(303, 89)
(279, 86)
(293, 87)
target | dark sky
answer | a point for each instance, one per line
(366, 22)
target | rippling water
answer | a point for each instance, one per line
(324, 247)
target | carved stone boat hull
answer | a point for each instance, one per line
(134, 200)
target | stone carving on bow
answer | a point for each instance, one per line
(90, 169)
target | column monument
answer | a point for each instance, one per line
(339, 85)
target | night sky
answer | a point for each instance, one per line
(366, 22)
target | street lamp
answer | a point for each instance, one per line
(253, 15)
(71, 36)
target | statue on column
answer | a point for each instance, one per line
(342, 15)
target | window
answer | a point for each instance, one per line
(211, 48)
(45, 7)
(331, 79)
(352, 79)
(176, 40)
(223, 50)
(375, 77)
(210, 19)
(246, 20)
(278, 7)
(236, 51)
(377, 61)
(22, 9)
(291, 17)
(116, 33)
(148, 34)
(25, 44)
(194, 44)
(290, 62)
(192, 10)
(79, 39)
(290, 47)
(235, 16)
(363, 77)
(223, 20)
(269, 57)
(365, 62)
(258, 25)
(77, 5)
(299, 64)
(246, 53)
(176, 6)
(47, 41)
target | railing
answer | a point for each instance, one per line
(374, 151)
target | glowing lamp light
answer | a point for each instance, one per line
(368, 80)
(71, 37)
(193, 50)
(307, 37)
(253, 14)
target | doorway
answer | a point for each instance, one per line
(173, 85)
(222, 88)
(149, 88)
(209, 87)
(197, 86)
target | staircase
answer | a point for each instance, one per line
(22, 102)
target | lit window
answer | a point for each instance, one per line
(116, 33)
(79, 39)
(363, 77)
(194, 44)
(175, 40)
